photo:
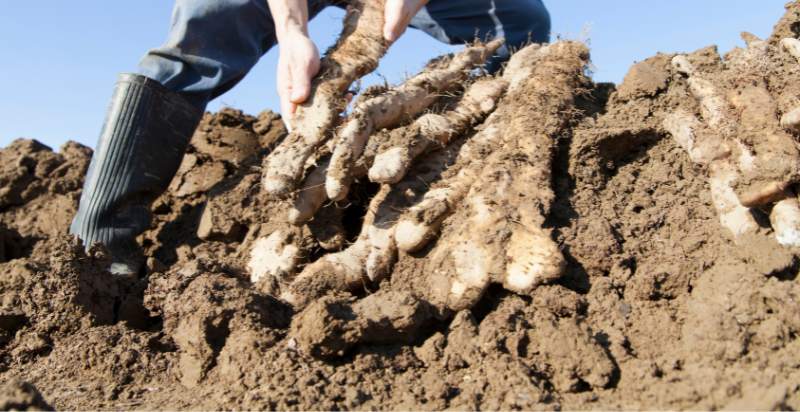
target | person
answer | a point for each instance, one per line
(212, 44)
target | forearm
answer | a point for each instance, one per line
(289, 16)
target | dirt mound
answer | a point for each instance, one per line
(21, 396)
(39, 192)
(670, 283)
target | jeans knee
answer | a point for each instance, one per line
(528, 22)
(211, 45)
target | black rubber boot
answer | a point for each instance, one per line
(143, 140)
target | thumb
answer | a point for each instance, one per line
(287, 113)
(393, 25)
(301, 83)
(284, 92)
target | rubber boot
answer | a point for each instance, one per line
(144, 137)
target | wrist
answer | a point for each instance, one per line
(290, 27)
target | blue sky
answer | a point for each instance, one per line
(60, 57)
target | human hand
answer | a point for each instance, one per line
(298, 63)
(398, 14)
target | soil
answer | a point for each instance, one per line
(658, 306)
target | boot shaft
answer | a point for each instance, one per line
(145, 134)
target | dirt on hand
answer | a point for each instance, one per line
(655, 217)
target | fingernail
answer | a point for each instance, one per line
(299, 97)
(287, 121)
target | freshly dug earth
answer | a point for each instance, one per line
(658, 304)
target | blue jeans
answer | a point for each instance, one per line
(213, 44)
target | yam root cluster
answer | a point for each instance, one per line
(740, 129)
(462, 170)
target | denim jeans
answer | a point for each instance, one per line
(213, 44)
